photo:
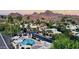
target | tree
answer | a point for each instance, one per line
(11, 29)
(28, 17)
(28, 27)
(64, 42)
(43, 18)
(73, 22)
(38, 21)
(63, 19)
(61, 42)
(19, 18)
(10, 19)
(2, 27)
(49, 24)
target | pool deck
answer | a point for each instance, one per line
(45, 41)
(45, 45)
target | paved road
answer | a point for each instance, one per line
(8, 41)
(3, 44)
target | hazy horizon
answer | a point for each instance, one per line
(69, 12)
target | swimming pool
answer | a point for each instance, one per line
(41, 37)
(28, 41)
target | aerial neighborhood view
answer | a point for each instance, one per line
(39, 29)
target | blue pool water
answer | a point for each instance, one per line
(41, 37)
(28, 42)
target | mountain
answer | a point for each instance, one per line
(47, 15)
(15, 14)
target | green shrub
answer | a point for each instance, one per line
(64, 42)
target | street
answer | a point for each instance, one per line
(3, 44)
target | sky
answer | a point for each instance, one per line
(69, 12)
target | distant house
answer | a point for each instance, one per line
(33, 26)
(53, 30)
(71, 27)
(25, 26)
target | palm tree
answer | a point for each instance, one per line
(19, 18)
(28, 17)
(10, 19)
(38, 21)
